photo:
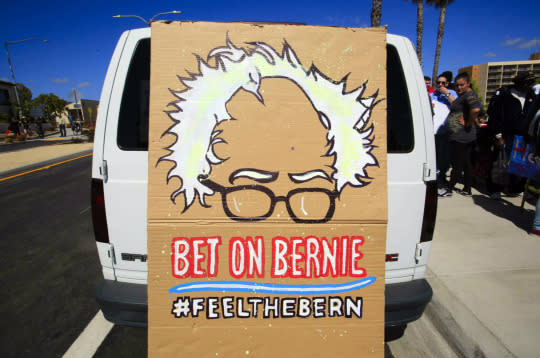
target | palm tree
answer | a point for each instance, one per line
(439, 4)
(419, 27)
(376, 8)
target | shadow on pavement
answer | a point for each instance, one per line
(15, 146)
(504, 209)
(387, 352)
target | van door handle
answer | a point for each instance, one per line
(104, 171)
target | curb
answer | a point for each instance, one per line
(32, 138)
(464, 332)
(17, 170)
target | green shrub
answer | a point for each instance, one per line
(90, 135)
(4, 118)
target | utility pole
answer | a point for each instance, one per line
(6, 44)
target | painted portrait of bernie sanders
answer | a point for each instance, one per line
(302, 150)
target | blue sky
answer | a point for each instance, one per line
(82, 35)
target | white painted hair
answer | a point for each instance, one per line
(201, 107)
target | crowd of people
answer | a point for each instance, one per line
(470, 140)
(22, 127)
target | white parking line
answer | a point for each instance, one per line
(90, 339)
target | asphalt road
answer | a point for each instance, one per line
(48, 259)
(50, 266)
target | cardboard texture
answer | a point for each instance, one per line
(267, 204)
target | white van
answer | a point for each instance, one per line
(120, 175)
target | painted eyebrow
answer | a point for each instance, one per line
(307, 176)
(261, 176)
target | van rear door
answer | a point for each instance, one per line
(125, 159)
(409, 158)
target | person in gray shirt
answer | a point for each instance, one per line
(463, 120)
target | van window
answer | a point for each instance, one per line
(133, 120)
(400, 138)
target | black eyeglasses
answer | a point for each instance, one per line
(256, 202)
(441, 82)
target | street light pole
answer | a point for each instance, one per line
(13, 78)
(135, 16)
(148, 23)
(176, 12)
(6, 44)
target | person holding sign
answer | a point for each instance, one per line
(442, 98)
(443, 94)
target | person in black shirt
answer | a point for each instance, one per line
(508, 110)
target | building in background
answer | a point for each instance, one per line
(8, 100)
(84, 111)
(493, 75)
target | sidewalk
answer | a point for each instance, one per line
(485, 274)
(25, 159)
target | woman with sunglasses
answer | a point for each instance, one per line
(442, 99)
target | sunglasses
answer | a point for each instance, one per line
(441, 82)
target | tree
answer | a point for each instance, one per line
(25, 95)
(52, 105)
(476, 89)
(376, 9)
(90, 112)
(25, 99)
(419, 27)
(439, 4)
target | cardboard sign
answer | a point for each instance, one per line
(440, 113)
(522, 161)
(267, 203)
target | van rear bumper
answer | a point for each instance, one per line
(127, 303)
(123, 303)
(405, 301)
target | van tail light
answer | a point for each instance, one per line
(430, 211)
(98, 212)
